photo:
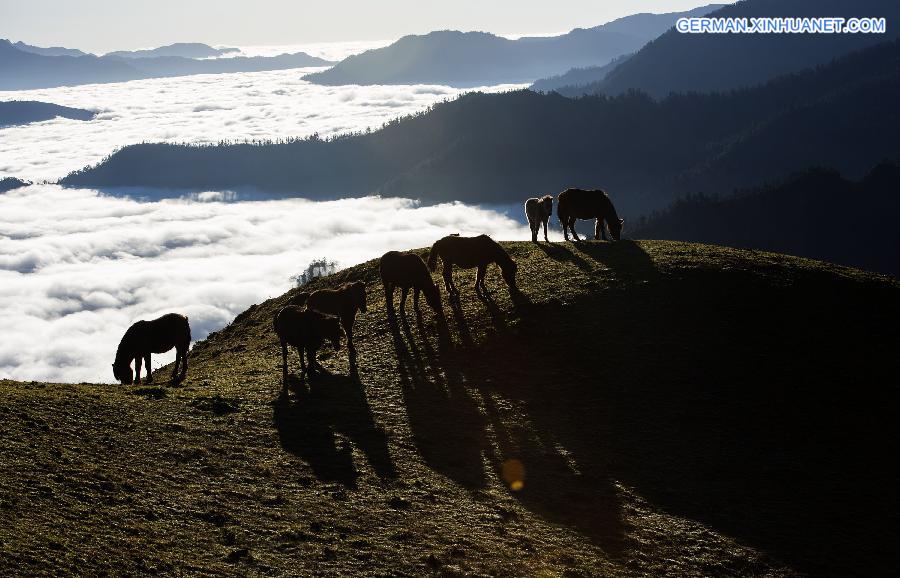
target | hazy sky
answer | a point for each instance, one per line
(105, 25)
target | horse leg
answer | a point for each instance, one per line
(137, 370)
(313, 364)
(534, 229)
(416, 292)
(184, 363)
(447, 273)
(545, 230)
(599, 231)
(302, 363)
(572, 222)
(149, 367)
(389, 298)
(479, 279)
(284, 364)
(348, 330)
(404, 291)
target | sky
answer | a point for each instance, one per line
(104, 25)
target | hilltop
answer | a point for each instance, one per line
(679, 409)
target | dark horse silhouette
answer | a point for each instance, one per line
(538, 212)
(342, 302)
(407, 270)
(156, 336)
(575, 204)
(306, 330)
(468, 253)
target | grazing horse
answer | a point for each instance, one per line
(147, 337)
(538, 212)
(581, 204)
(468, 253)
(407, 270)
(306, 330)
(342, 302)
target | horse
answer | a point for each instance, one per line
(538, 212)
(468, 253)
(305, 329)
(147, 337)
(342, 302)
(588, 204)
(407, 270)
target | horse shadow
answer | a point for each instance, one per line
(561, 252)
(458, 401)
(626, 258)
(332, 404)
(446, 424)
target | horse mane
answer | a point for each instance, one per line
(433, 253)
(501, 256)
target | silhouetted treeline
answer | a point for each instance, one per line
(815, 214)
(10, 183)
(15, 112)
(681, 62)
(506, 147)
(572, 82)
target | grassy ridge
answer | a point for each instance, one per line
(678, 409)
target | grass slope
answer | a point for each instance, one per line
(679, 409)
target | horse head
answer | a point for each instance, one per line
(123, 373)
(615, 228)
(547, 204)
(358, 289)
(432, 296)
(508, 270)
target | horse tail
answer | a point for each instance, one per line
(432, 256)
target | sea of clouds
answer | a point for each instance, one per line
(205, 108)
(78, 266)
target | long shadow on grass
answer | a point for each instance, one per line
(626, 258)
(307, 426)
(446, 424)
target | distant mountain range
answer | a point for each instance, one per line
(18, 112)
(21, 70)
(50, 51)
(677, 62)
(504, 147)
(182, 49)
(815, 214)
(478, 58)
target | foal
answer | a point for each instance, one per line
(538, 212)
(469, 253)
(147, 337)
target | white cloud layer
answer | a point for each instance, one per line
(77, 267)
(199, 109)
